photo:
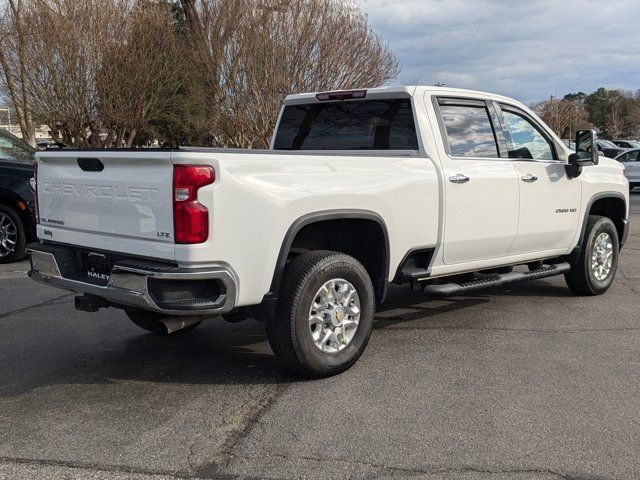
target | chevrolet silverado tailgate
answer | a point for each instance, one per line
(110, 200)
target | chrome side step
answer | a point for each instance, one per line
(497, 280)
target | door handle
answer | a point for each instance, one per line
(459, 178)
(529, 178)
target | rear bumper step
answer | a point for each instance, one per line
(497, 280)
(140, 284)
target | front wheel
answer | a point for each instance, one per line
(596, 267)
(324, 315)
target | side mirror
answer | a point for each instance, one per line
(586, 149)
(586, 153)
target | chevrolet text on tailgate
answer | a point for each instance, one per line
(452, 190)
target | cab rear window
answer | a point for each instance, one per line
(353, 125)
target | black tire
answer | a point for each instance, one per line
(289, 331)
(151, 322)
(581, 279)
(9, 216)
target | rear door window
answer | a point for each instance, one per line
(354, 125)
(469, 131)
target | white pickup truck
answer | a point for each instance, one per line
(443, 188)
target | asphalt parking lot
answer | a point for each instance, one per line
(522, 384)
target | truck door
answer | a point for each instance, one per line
(480, 188)
(549, 199)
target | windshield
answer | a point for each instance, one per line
(351, 125)
(12, 149)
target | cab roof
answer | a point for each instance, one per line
(396, 92)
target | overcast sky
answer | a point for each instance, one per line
(523, 49)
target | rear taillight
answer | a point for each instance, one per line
(190, 218)
(35, 194)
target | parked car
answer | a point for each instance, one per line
(609, 149)
(444, 188)
(631, 161)
(17, 185)
(46, 143)
(626, 143)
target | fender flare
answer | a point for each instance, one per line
(315, 217)
(4, 193)
(594, 199)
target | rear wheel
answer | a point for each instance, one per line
(596, 267)
(12, 236)
(153, 322)
(324, 315)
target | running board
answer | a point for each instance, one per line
(497, 280)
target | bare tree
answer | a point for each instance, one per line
(68, 43)
(564, 117)
(99, 70)
(252, 53)
(616, 119)
(137, 81)
(621, 114)
(13, 38)
(634, 125)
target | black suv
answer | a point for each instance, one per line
(609, 149)
(17, 186)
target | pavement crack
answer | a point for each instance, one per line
(382, 470)
(46, 303)
(221, 459)
(432, 469)
(95, 467)
(252, 419)
(507, 329)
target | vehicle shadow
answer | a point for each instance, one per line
(214, 354)
(217, 352)
(405, 305)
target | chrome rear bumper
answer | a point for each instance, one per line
(129, 285)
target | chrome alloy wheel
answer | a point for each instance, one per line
(8, 235)
(334, 315)
(602, 256)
